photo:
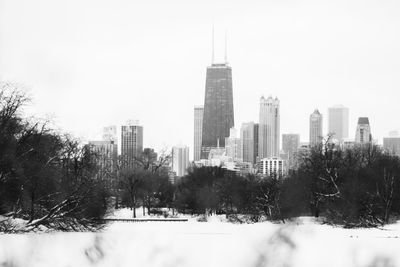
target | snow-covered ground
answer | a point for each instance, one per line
(299, 243)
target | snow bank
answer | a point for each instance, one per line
(215, 243)
(9, 224)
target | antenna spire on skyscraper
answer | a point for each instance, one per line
(212, 56)
(226, 53)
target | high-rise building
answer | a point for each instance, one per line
(273, 166)
(268, 132)
(180, 160)
(106, 153)
(249, 137)
(315, 128)
(290, 146)
(338, 122)
(131, 143)
(256, 143)
(363, 132)
(391, 144)
(110, 133)
(233, 146)
(198, 127)
(218, 115)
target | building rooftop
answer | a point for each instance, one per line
(338, 106)
(270, 100)
(132, 123)
(220, 65)
(391, 138)
(316, 111)
(363, 120)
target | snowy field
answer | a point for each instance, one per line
(214, 243)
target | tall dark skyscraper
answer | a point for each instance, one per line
(218, 115)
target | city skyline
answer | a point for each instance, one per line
(83, 60)
(199, 133)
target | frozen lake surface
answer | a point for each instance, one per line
(299, 243)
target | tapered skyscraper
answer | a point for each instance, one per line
(268, 132)
(218, 116)
(363, 132)
(315, 128)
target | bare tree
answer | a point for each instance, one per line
(322, 166)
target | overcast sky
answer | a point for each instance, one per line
(93, 63)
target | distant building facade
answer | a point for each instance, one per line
(218, 115)
(316, 134)
(256, 142)
(198, 129)
(249, 137)
(392, 145)
(233, 146)
(269, 128)
(347, 144)
(106, 153)
(217, 157)
(338, 122)
(110, 133)
(290, 146)
(273, 166)
(180, 160)
(131, 143)
(363, 132)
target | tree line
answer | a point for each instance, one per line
(46, 177)
(51, 179)
(353, 187)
